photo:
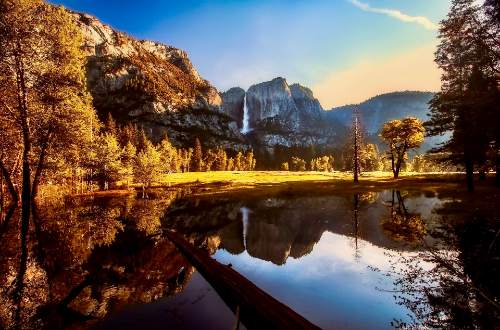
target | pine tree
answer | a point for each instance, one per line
(239, 162)
(129, 153)
(197, 158)
(230, 165)
(168, 155)
(469, 86)
(249, 161)
(356, 145)
(109, 160)
(110, 125)
(209, 160)
(142, 140)
(220, 160)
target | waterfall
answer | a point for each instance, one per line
(244, 218)
(246, 118)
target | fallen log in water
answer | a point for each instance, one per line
(256, 308)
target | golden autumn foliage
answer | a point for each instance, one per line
(401, 136)
(46, 113)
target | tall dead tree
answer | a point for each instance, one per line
(356, 145)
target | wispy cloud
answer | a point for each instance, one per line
(421, 20)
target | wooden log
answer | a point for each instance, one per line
(257, 308)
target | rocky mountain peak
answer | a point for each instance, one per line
(309, 107)
(299, 91)
(153, 85)
(163, 75)
(272, 99)
(233, 100)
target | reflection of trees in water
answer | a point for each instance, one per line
(80, 260)
(360, 201)
(357, 254)
(457, 286)
(401, 224)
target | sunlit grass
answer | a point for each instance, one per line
(264, 177)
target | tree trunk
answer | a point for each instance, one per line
(393, 167)
(39, 168)
(482, 173)
(10, 186)
(397, 168)
(469, 172)
(1, 196)
(497, 169)
(24, 120)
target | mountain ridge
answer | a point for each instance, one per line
(153, 85)
(157, 87)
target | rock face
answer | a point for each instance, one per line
(233, 104)
(272, 100)
(154, 85)
(280, 114)
(309, 108)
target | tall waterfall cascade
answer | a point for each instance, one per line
(246, 117)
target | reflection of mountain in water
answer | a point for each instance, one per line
(282, 227)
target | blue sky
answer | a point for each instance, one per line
(327, 45)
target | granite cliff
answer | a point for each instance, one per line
(280, 114)
(153, 85)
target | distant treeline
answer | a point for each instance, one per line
(125, 154)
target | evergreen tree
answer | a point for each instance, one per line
(220, 160)
(370, 159)
(142, 140)
(109, 163)
(168, 155)
(209, 160)
(197, 157)
(469, 88)
(230, 165)
(110, 125)
(239, 162)
(128, 158)
(249, 161)
(356, 145)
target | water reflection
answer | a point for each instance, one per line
(81, 260)
(457, 288)
(383, 244)
(401, 224)
(390, 258)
